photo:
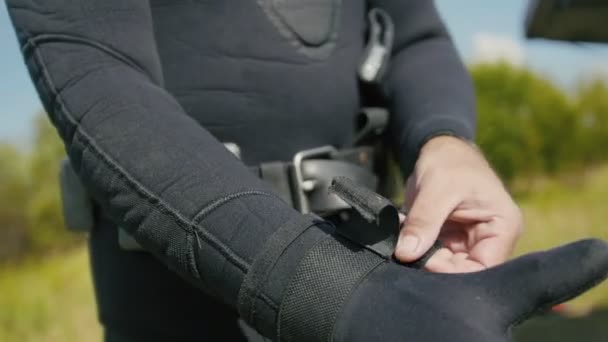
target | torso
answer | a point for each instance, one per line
(238, 70)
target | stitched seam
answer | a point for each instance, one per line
(257, 291)
(224, 200)
(35, 42)
(162, 206)
(154, 201)
(191, 258)
(269, 301)
(346, 299)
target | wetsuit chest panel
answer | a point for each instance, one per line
(311, 25)
(234, 71)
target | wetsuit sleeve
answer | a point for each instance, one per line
(428, 89)
(151, 167)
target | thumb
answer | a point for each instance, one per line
(539, 281)
(428, 213)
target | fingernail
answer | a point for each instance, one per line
(410, 244)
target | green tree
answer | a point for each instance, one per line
(525, 122)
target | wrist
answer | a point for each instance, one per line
(443, 141)
(412, 139)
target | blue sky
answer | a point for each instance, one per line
(483, 31)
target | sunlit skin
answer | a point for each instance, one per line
(454, 195)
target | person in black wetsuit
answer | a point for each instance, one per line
(144, 92)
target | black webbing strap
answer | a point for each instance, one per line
(381, 233)
(320, 286)
(263, 263)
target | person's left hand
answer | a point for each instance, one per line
(454, 195)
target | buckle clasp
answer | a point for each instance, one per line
(301, 185)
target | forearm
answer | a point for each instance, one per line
(428, 89)
(152, 168)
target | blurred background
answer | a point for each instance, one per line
(543, 123)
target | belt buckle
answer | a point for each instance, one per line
(300, 185)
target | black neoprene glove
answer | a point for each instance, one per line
(349, 288)
(395, 303)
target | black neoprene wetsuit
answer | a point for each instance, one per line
(144, 92)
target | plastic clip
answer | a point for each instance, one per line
(379, 45)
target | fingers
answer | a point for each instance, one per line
(492, 245)
(471, 248)
(493, 241)
(446, 261)
(429, 211)
(541, 280)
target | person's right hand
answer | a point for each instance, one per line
(396, 303)
(455, 197)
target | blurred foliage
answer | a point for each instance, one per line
(30, 206)
(591, 104)
(44, 217)
(13, 199)
(528, 126)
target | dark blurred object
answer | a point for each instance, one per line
(571, 20)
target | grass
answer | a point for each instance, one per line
(48, 300)
(559, 211)
(52, 299)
